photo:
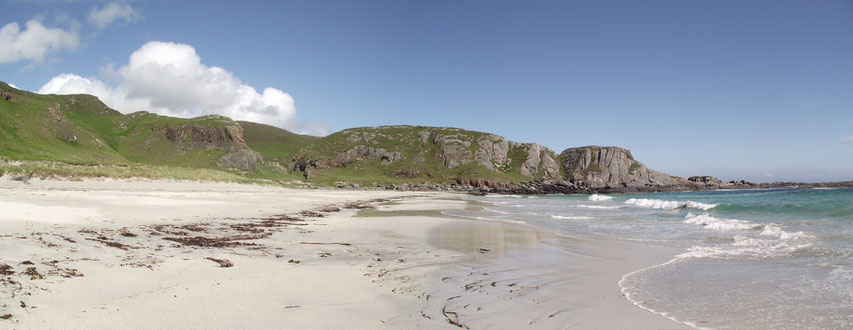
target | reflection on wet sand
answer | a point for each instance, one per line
(482, 236)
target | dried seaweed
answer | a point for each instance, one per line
(224, 263)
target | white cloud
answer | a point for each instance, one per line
(35, 42)
(846, 139)
(13, 85)
(169, 79)
(111, 12)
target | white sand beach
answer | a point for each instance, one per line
(149, 254)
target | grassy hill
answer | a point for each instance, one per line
(274, 143)
(78, 134)
(80, 131)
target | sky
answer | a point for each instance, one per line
(757, 90)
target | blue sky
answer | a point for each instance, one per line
(761, 90)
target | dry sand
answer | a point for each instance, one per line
(150, 254)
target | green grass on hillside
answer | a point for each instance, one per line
(69, 131)
(273, 143)
(78, 135)
(63, 170)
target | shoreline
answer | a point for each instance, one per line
(466, 186)
(177, 254)
(541, 278)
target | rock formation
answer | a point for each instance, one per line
(364, 152)
(612, 167)
(455, 150)
(707, 180)
(538, 159)
(241, 158)
(421, 147)
(230, 138)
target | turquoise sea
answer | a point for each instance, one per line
(778, 258)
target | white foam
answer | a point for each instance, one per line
(563, 217)
(752, 247)
(669, 205)
(600, 198)
(771, 242)
(602, 207)
(501, 196)
(710, 222)
(773, 230)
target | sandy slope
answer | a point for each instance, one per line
(118, 254)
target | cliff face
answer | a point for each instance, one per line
(492, 152)
(612, 167)
(230, 138)
(437, 152)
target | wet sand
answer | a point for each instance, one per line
(524, 277)
(158, 254)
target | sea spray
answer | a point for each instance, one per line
(669, 205)
(600, 198)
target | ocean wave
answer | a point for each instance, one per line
(771, 242)
(600, 198)
(602, 207)
(750, 247)
(563, 217)
(501, 196)
(669, 205)
(710, 222)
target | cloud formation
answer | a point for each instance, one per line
(35, 42)
(111, 12)
(846, 139)
(170, 79)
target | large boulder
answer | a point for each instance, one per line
(243, 159)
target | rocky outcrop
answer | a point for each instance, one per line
(455, 149)
(205, 137)
(612, 167)
(538, 159)
(242, 159)
(706, 180)
(8, 97)
(239, 155)
(424, 148)
(492, 152)
(364, 152)
(64, 129)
